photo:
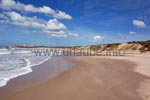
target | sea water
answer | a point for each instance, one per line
(17, 62)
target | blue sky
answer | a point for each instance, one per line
(73, 22)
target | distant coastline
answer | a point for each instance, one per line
(134, 46)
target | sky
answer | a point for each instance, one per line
(73, 22)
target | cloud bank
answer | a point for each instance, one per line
(15, 13)
(13, 5)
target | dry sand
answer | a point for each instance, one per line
(93, 78)
(142, 67)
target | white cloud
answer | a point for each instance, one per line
(62, 15)
(33, 22)
(15, 13)
(132, 33)
(8, 4)
(53, 27)
(2, 16)
(73, 34)
(139, 23)
(30, 8)
(13, 5)
(54, 24)
(15, 16)
(60, 33)
(19, 20)
(98, 38)
(44, 9)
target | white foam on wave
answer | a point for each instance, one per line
(3, 81)
(19, 72)
(4, 51)
(41, 62)
(22, 51)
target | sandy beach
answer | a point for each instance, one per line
(40, 74)
(75, 50)
(93, 78)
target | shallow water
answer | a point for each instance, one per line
(17, 62)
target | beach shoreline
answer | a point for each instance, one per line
(92, 78)
(40, 73)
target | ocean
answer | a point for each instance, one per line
(17, 62)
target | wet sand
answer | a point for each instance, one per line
(92, 78)
(40, 74)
